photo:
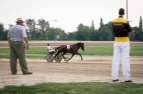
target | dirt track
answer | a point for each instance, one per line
(91, 69)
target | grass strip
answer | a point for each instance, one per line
(76, 88)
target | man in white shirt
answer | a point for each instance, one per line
(50, 49)
(16, 37)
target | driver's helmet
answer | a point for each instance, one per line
(48, 43)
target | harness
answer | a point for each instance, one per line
(70, 47)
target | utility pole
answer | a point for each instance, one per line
(54, 30)
(126, 9)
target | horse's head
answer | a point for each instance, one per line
(81, 44)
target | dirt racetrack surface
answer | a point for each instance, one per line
(58, 43)
(91, 69)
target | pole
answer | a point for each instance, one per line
(54, 35)
(55, 31)
(126, 9)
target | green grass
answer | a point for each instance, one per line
(76, 88)
(98, 50)
(40, 52)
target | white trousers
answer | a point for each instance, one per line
(121, 52)
(51, 50)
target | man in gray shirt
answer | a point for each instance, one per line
(16, 37)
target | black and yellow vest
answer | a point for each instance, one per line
(121, 29)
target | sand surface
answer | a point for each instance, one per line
(91, 69)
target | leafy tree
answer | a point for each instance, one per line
(101, 23)
(53, 32)
(5, 34)
(92, 25)
(43, 25)
(136, 32)
(32, 30)
(83, 32)
(105, 31)
(109, 30)
(141, 24)
(1, 30)
(2, 36)
(140, 35)
(30, 23)
(42, 30)
(71, 36)
(94, 35)
(59, 32)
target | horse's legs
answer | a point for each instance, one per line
(56, 55)
(80, 55)
(71, 57)
(63, 55)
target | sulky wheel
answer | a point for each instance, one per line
(49, 58)
(58, 58)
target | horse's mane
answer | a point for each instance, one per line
(79, 43)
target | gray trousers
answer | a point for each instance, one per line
(17, 51)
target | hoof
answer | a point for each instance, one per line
(66, 60)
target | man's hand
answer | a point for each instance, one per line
(27, 47)
(27, 43)
(8, 39)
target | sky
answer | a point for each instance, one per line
(69, 13)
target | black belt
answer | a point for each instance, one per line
(16, 41)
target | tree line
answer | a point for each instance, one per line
(42, 30)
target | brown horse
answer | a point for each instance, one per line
(73, 50)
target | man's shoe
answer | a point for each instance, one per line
(27, 73)
(13, 73)
(115, 80)
(129, 81)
